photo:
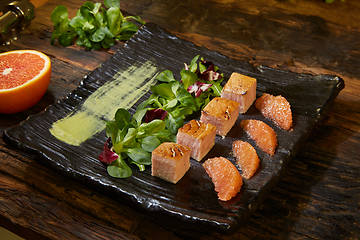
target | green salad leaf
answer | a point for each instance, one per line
(93, 27)
(112, 3)
(119, 169)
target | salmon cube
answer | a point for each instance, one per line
(198, 136)
(170, 161)
(263, 135)
(222, 113)
(246, 158)
(242, 89)
(225, 176)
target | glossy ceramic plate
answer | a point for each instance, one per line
(193, 200)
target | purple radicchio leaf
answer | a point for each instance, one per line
(209, 74)
(198, 88)
(107, 156)
(157, 113)
(207, 64)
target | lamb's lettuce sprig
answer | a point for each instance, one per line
(93, 27)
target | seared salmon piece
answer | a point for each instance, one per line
(246, 158)
(170, 161)
(225, 176)
(242, 89)
(262, 134)
(198, 136)
(276, 108)
(222, 113)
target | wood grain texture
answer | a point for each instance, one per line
(318, 198)
(195, 205)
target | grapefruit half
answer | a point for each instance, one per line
(24, 79)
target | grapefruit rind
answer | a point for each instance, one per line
(24, 96)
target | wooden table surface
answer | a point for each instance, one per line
(319, 195)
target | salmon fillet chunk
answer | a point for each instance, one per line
(242, 89)
(246, 158)
(222, 113)
(198, 136)
(275, 108)
(225, 176)
(170, 161)
(262, 134)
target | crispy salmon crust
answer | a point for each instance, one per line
(222, 113)
(225, 176)
(275, 108)
(198, 136)
(246, 158)
(262, 134)
(242, 89)
(170, 161)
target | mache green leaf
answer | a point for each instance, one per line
(112, 3)
(149, 143)
(114, 18)
(129, 139)
(59, 14)
(98, 35)
(149, 128)
(166, 76)
(122, 117)
(128, 27)
(193, 64)
(217, 88)
(139, 155)
(163, 90)
(188, 78)
(119, 169)
(135, 18)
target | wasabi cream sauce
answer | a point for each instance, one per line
(124, 91)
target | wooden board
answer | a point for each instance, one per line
(309, 96)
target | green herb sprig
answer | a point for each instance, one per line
(93, 27)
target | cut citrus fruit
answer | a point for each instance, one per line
(246, 158)
(262, 134)
(276, 108)
(225, 176)
(24, 79)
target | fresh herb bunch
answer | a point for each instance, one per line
(93, 27)
(132, 139)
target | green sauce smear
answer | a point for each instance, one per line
(124, 91)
